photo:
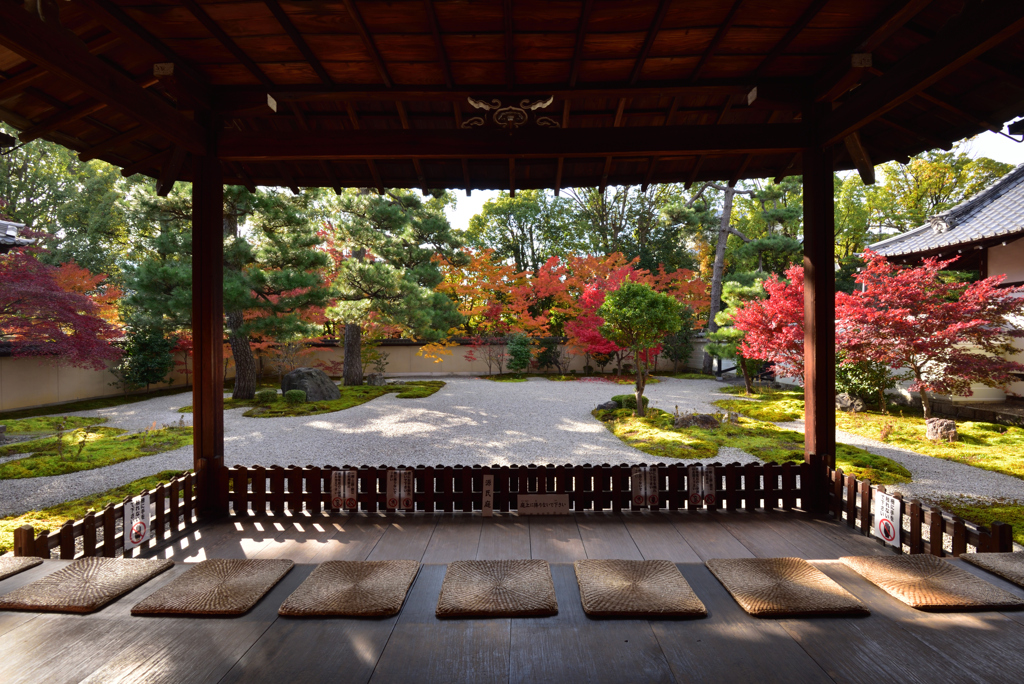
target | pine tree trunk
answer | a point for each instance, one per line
(245, 362)
(353, 373)
(641, 382)
(742, 363)
(718, 271)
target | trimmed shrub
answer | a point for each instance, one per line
(294, 397)
(264, 397)
(628, 401)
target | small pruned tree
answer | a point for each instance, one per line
(519, 353)
(678, 346)
(636, 317)
(727, 341)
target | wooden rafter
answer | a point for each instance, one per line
(652, 163)
(510, 50)
(170, 171)
(300, 42)
(561, 160)
(151, 162)
(371, 47)
(404, 117)
(353, 116)
(457, 111)
(652, 33)
(224, 39)
(65, 117)
(442, 54)
(60, 53)
(861, 159)
(511, 176)
(581, 32)
(951, 108)
(14, 84)
(114, 142)
(694, 171)
(616, 123)
(791, 35)
(929, 140)
(723, 28)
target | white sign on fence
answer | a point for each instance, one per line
(709, 486)
(488, 496)
(343, 490)
(543, 504)
(888, 519)
(400, 489)
(137, 515)
(644, 483)
(695, 479)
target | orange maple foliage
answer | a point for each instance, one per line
(73, 278)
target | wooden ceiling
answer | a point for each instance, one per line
(375, 94)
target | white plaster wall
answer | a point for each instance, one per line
(1008, 260)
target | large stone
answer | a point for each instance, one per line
(608, 406)
(941, 429)
(700, 420)
(848, 402)
(313, 381)
(375, 379)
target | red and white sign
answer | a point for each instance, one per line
(644, 483)
(400, 489)
(695, 479)
(343, 490)
(888, 519)
(709, 486)
(137, 516)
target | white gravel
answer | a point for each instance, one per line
(468, 421)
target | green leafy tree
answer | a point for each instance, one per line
(519, 353)
(147, 358)
(527, 229)
(678, 346)
(852, 216)
(386, 265)
(724, 343)
(866, 379)
(636, 317)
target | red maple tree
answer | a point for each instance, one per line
(774, 326)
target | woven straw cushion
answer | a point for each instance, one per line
(776, 587)
(216, 587)
(502, 588)
(930, 583)
(627, 588)
(9, 565)
(353, 588)
(84, 585)
(1009, 566)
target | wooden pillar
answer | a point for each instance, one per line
(208, 332)
(819, 319)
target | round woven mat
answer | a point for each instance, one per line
(504, 588)
(353, 588)
(1009, 566)
(628, 588)
(775, 587)
(10, 565)
(84, 585)
(216, 587)
(930, 583)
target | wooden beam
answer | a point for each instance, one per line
(170, 171)
(286, 23)
(67, 116)
(975, 32)
(61, 53)
(860, 158)
(510, 50)
(652, 33)
(404, 118)
(147, 163)
(577, 51)
(535, 143)
(368, 43)
(927, 139)
(616, 122)
(740, 170)
(786, 169)
(723, 28)
(442, 54)
(791, 35)
(558, 175)
(114, 142)
(652, 163)
(692, 178)
(14, 84)
(224, 39)
(819, 317)
(511, 176)
(208, 332)
(353, 117)
(457, 111)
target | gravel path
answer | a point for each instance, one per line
(468, 421)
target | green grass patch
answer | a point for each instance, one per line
(353, 395)
(88, 448)
(687, 376)
(90, 404)
(655, 435)
(1010, 514)
(53, 517)
(49, 424)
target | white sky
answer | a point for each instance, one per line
(987, 144)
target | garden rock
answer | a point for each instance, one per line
(942, 429)
(314, 382)
(700, 420)
(3, 434)
(608, 406)
(848, 402)
(375, 379)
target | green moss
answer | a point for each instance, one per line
(986, 515)
(655, 435)
(101, 447)
(687, 376)
(90, 404)
(53, 517)
(775, 412)
(49, 424)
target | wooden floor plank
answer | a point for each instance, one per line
(761, 540)
(504, 537)
(851, 541)
(570, 647)
(963, 637)
(456, 537)
(425, 650)
(604, 536)
(355, 538)
(405, 538)
(1015, 615)
(708, 538)
(812, 543)
(555, 538)
(729, 645)
(11, 619)
(234, 538)
(657, 538)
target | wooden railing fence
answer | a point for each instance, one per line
(926, 528)
(460, 488)
(174, 508)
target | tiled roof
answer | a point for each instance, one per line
(9, 236)
(997, 211)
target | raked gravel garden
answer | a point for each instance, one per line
(468, 421)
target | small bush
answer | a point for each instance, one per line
(294, 397)
(264, 397)
(628, 401)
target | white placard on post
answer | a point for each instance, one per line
(137, 515)
(888, 519)
(543, 504)
(392, 489)
(343, 490)
(695, 478)
(709, 486)
(487, 504)
(406, 488)
(638, 482)
(652, 486)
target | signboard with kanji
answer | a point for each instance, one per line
(543, 504)
(888, 519)
(137, 516)
(343, 490)
(709, 486)
(487, 506)
(644, 484)
(695, 480)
